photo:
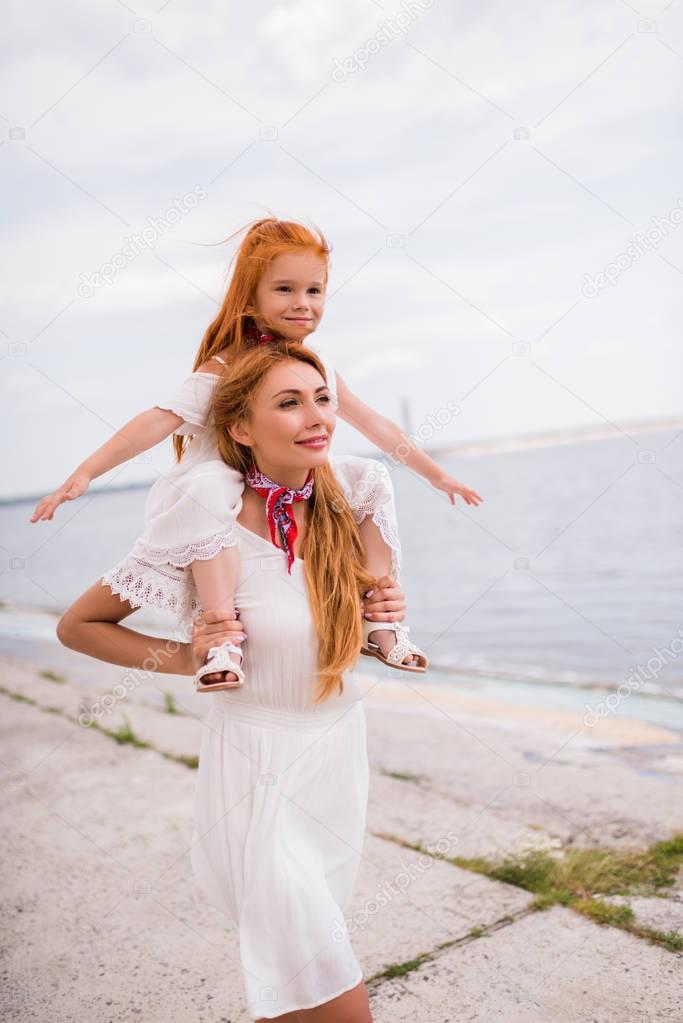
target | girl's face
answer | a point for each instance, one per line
(291, 423)
(291, 294)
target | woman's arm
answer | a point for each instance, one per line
(388, 437)
(91, 626)
(143, 432)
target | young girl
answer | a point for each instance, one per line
(277, 290)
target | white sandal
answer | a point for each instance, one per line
(402, 647)
(218, 659)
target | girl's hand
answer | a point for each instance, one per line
(387, 602)
(451, 487)
(76, 485)
(211, 629)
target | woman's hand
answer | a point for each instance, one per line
(387, 602)
(76, 485)
(451, 487)
(210, 629)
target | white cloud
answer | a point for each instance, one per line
(502, 255)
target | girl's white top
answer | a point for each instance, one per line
(191, 511)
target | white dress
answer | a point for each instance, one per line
(280, 799)
(190, 511)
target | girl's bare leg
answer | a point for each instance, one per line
(216, 582)
(351, 1007)
(378, 563)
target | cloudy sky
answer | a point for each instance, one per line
(500, 184)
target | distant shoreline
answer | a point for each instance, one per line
(468, 449)
(559, 438)
(39, 623)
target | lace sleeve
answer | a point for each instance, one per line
(368, 488)
(192, 402)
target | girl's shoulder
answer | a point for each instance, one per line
(212, 366)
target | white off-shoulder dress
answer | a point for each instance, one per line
(191, 510)
(280, 800)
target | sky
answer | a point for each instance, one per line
(500, 185)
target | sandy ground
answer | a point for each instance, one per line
(103, 919)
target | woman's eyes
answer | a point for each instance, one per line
(291, 401)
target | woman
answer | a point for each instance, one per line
(282, 785)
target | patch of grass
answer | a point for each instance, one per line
(401, 969)
(402, 775)
(575, 877)
(19, 697)
(553, 897)
(51, 676)
(184, 758)
(169, 701)
(666, 859)
(671, 940)
(604, 912)
(581, 873)
(476, 932)
(124, 735)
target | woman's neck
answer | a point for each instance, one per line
(253, 517)
(291, 477)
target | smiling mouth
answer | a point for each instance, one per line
(313, 441)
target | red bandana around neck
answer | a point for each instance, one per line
(254, 336)
(278, 507)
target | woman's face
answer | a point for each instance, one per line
(292, 407)
(291, 294)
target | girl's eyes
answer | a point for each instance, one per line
(291, 401)
(285, 287)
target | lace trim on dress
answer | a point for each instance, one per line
(156, 576)
(185, 554)
(372, 494)
(147, 585)
(389, 532)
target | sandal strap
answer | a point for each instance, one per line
(402, 646)
(218, 659)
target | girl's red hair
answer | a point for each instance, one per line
(264, 240)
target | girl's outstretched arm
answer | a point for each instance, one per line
(143, 432)
(390, 438)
